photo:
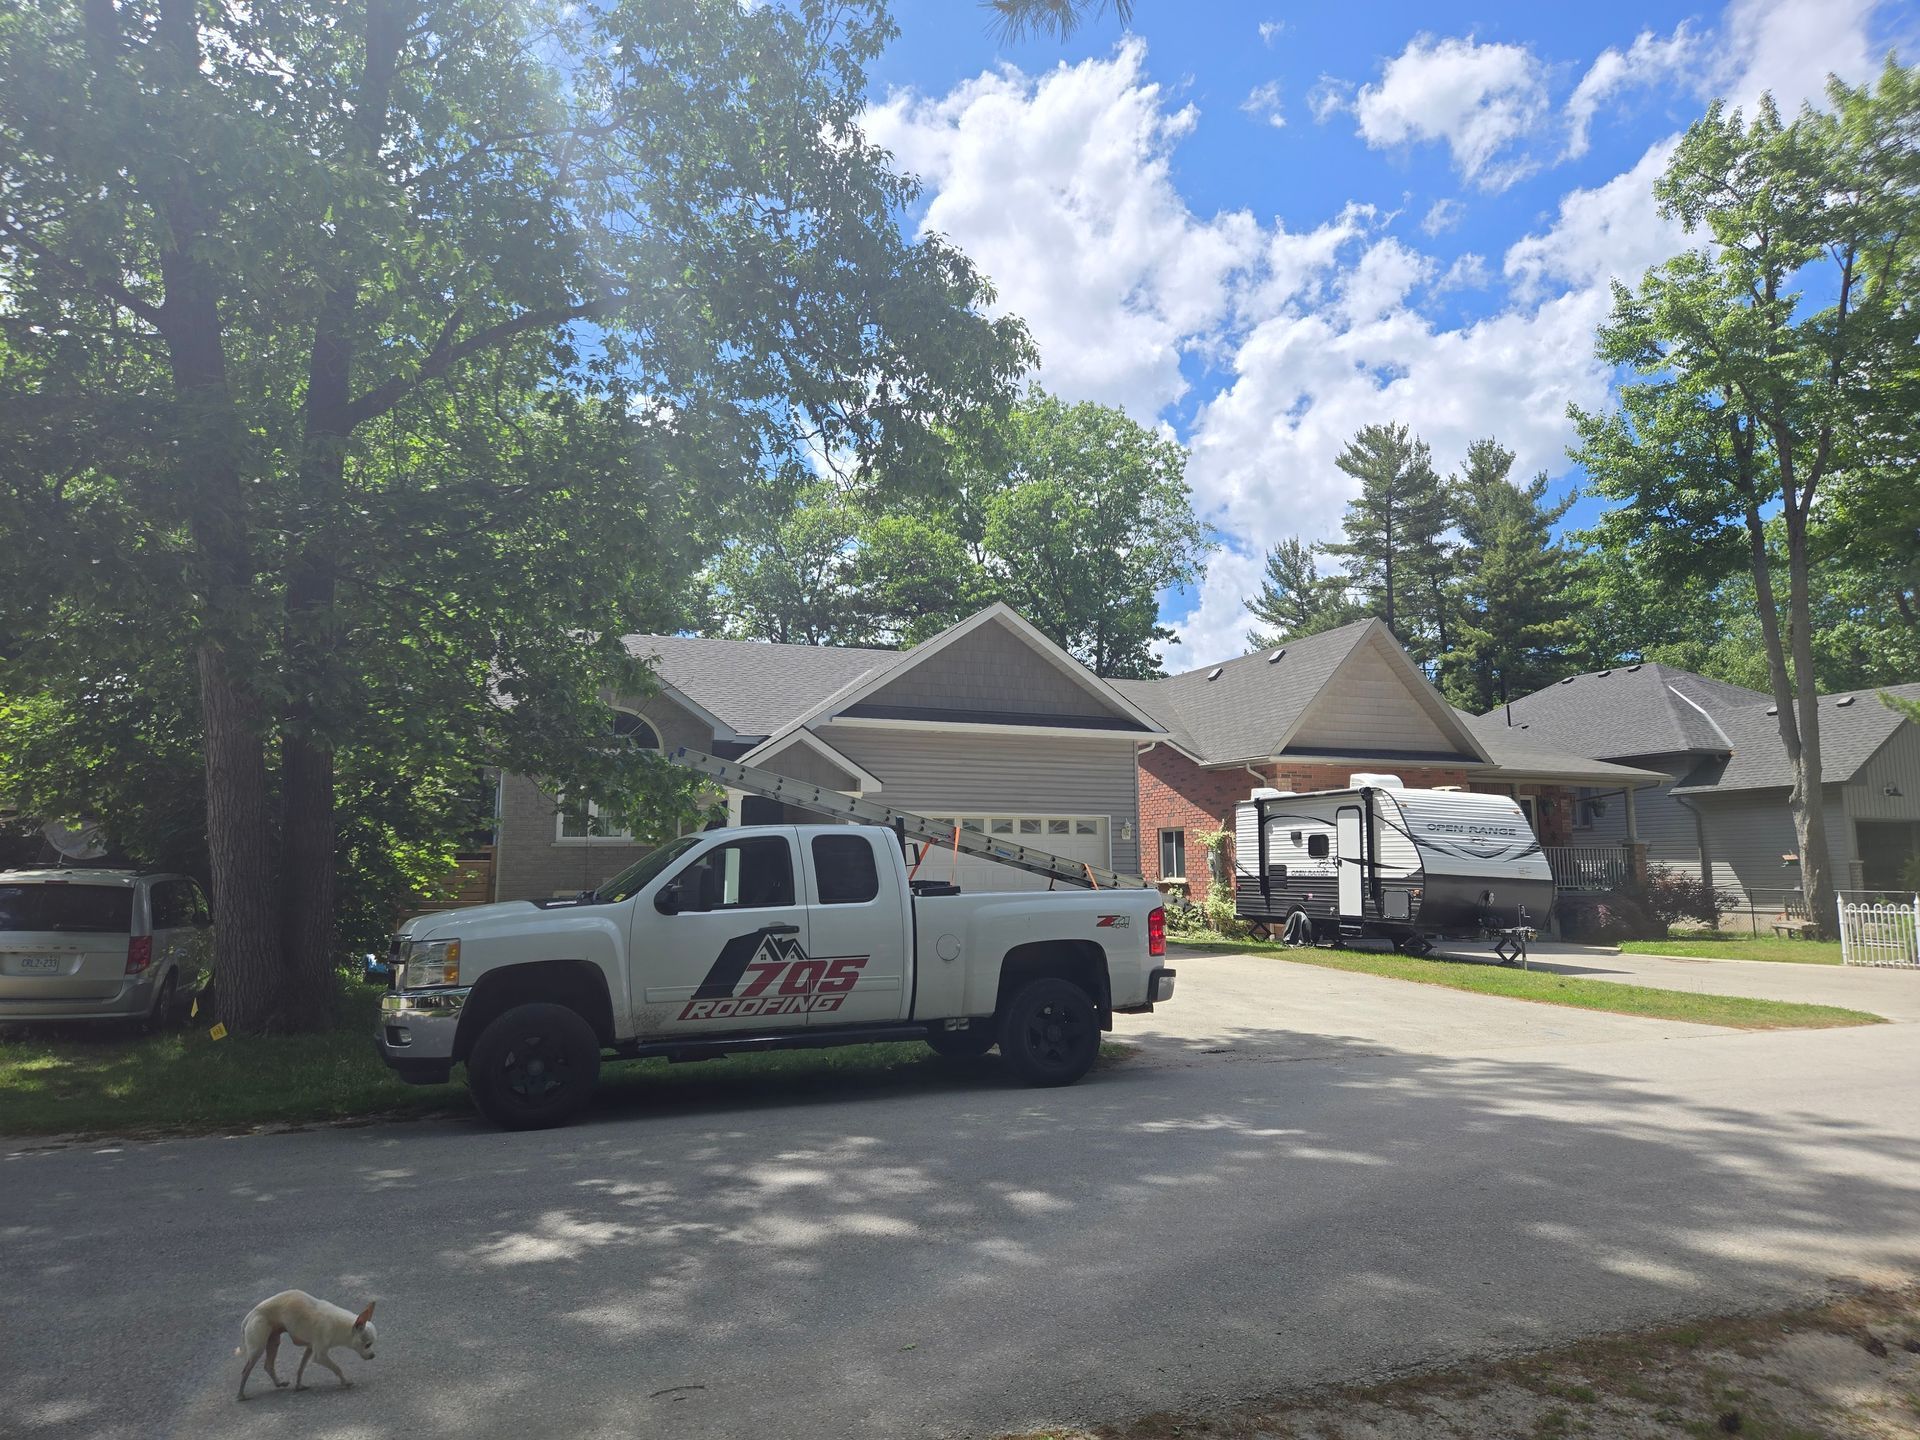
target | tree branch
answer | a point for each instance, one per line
(111, 290)
(445, 355)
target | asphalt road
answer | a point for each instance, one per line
(1303, 1176)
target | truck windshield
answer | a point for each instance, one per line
(634, 878)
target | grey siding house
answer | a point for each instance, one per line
(988, 725)
(1722, 812)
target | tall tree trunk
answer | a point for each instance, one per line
(308, 877)
(1807, 799)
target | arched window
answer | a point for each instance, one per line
(635, 731)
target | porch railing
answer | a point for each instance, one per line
(1588, 867)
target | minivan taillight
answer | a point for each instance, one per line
(1157, 931)
(139, 954)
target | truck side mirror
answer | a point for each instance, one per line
(667, 902)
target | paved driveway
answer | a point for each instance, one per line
(1303, 1176)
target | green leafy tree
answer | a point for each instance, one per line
(1396, 556)
(791, 580)
(1295, 599)
(1513, 589)
(1770, 364)
(397, 356)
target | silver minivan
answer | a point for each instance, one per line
(100, 944)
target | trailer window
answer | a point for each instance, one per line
(844, 869)
(1318, 847)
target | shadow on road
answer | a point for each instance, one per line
(933, 1250)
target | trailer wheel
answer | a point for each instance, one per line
(1299, 930)
(1050, 1032)
(534, 1067)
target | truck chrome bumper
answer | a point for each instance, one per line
(417, 1030)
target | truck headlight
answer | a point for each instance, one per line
(433, 962)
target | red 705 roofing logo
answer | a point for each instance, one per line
(779, 977)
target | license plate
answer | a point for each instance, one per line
(39, 964)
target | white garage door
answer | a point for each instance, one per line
(1077, 837)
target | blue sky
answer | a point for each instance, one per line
(1264, 225)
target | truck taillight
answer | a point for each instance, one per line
(1157, 931)
(139, 954)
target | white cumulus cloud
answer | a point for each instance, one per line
(1477, 99)
(1058, 186)
(1649, 60)
(1263, 103)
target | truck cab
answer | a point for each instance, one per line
(761, 937)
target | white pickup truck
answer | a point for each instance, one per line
(757, 938)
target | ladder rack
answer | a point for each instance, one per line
(804, 795)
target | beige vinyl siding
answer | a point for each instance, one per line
(943, 772)
(992, 669)
(1370, 707)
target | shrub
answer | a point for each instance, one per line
(1671, 896)
(1606, 915)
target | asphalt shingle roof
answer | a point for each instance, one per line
(1630, 710)
(1243, 714)
(1853, 725)
(1514, 749)
(755, 686)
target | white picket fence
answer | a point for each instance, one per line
(1879, 929)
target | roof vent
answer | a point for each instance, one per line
(1605, 673)
(1844, 701)
(1214, 674)
(1278, 654)
(1773, 709)
(1632, 668)
(1567, 681)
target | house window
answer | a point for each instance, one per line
(1587, 807)
(1526, 804)
(633, 732)
(1001, 827)
(583, 823)
(1173, 854)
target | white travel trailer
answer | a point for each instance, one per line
(1382, 861)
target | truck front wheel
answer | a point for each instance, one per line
(533, 1067)
(1050, 1032)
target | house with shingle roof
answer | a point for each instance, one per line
(1312, 713)
(992, 726)
(1721, 809)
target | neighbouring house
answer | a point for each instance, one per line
(988, 725)
(1720, 810)
(1312, 713)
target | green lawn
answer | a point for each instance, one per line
(183, 1082)
(1543, 986)
(1734, 946)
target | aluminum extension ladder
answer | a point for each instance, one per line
(803, 795)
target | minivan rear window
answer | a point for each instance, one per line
(84, 909)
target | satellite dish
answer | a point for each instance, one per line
(75, 842)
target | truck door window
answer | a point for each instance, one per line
(844, 869)
(754, 874)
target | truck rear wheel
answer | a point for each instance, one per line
(968, 1044)
(1050, 1032)
(534, 1067)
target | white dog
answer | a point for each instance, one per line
(313, 1324)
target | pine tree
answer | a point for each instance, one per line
(1396, 557)
(1295, 599)
(1515, 589)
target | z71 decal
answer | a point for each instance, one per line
(1115, 922)
(762, 973)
